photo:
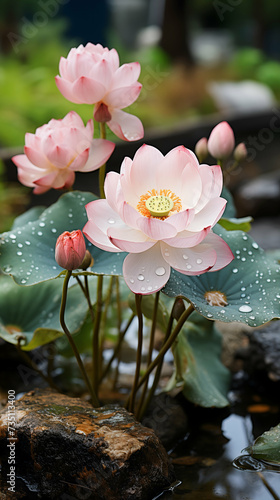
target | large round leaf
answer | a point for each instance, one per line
(32, 313)
(27, 252)
(248, 289)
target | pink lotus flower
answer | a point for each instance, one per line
(221, 141)
(92, 75)
(160, 209)
(70, 250)
(59, 149)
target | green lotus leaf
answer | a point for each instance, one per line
(31, 314)
(27, 252)
(242, 224)
(29, 216)
(198, 369)
(267, 446)
(247, 290)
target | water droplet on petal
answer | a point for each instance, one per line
(140, 277)
(199, 261)
(245, 309)
(160, 271)
(111, 221)
(131, 280)
(185, 256)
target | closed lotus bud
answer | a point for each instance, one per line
(221, 141)
(88, 261)
(70, 250)
(240, 152)
(178, 309)
(201, 149)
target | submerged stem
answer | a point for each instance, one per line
(94, 398)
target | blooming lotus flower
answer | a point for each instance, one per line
(70, 250)
(221, 141)
(161, 210)
(92, 75)
(59, 149)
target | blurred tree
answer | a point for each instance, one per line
(175, 31)
(12, 14)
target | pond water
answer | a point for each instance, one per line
(203, 461)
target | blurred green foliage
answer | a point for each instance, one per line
(250, 63)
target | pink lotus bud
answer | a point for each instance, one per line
(70, 250)
(240, 152)
(221, 141)
(201, 149)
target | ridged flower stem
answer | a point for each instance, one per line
(117, 348)
(95, 337)
(94, 398)
(184, 316)
(150, 352)
(130, 404)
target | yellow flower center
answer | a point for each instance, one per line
(159, 203)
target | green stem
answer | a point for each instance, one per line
(85, 290)
(150, 352)
(94, 398)
(117, 348)
(95, 337)
(143, 409)
(131, 400)
(102, 169)
(119, 307)
(184, 316)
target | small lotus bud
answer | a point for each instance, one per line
(70, 250)
(88, 261)
(178, 309)
(221, 141)
(240, 152)
(201, 149)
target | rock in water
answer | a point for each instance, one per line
(66, 449)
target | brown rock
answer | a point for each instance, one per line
(66, 449)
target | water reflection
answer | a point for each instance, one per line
(203, 463)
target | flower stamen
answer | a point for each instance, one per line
(159, 203)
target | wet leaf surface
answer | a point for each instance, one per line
(27, 252)
(250, 284)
